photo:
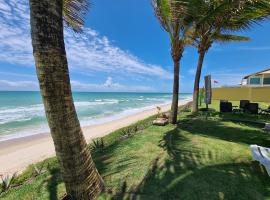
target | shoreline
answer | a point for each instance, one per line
(84, 123)
(17, 154)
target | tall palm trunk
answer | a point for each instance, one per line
(174, 107)
(80, 176)
(176, 52)
(195, 104)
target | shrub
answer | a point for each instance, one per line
(38, 169)
(98, 144)
(7, 182)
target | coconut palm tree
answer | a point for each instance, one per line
(213, 21)
(172, 17)
(79, 173)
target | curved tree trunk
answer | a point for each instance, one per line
(174, 107)
(195, 104)
(79, 173)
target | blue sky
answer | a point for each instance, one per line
(123, 48)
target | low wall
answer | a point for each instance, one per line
(255, 94)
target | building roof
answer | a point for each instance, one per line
(266, 71)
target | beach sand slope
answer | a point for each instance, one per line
(17, 154)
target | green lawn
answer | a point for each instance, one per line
(203, 157)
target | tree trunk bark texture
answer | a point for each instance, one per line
(176, 53)
(174, 107)
(79, 173)
(195, 104)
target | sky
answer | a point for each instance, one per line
(123, 49)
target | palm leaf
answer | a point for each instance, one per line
(172, 16)
(74, 12)
(230, 38)
(250, 13)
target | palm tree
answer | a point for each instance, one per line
(79, 173)
(212, 24)
(172, 17)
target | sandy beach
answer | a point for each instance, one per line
(17, 154)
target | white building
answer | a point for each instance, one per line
(261, 78)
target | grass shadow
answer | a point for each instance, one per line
(53, 182)
(184, 175)
(105, 157)
(239, 132)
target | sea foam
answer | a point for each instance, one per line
(25, 118)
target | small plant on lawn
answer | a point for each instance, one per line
(38, 169)
(158, 111)
(133, 129)
(98, 144)
(7, 181)
(128, 131)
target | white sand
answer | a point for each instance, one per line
(17, 154)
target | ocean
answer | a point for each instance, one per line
(22, 113)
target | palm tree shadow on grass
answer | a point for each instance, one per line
(103, 160)
(54, 179)
(109, 164)
(184, 176)
(53, 182)
(224, 181)
(250, 133)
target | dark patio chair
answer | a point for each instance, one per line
(225, 107)
(253, 108)
(244, 105)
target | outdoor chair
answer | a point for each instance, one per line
(261, 154)
(225, 107)
(242, 107)
(244, 104)
(253, 108)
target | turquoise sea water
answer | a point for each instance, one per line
(22, 113)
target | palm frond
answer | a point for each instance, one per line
(230, 38)
(74, 12)
(214, 18)
(172, 16)
(248, 14)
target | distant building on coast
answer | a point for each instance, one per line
(254, 87)
(261, 78)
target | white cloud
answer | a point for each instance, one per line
(109, 83)
(15, 43)
(107, 86)
(88, 52)
(18, 85)
(29, 76)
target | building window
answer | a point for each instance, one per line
(255, 81)
(266, 81)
